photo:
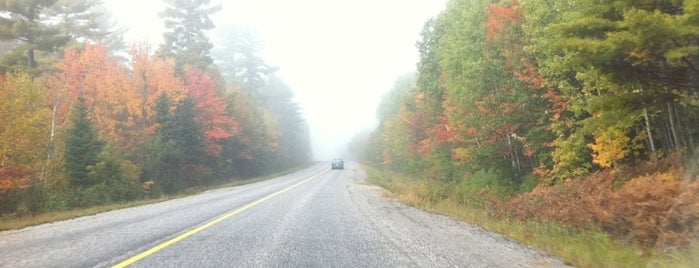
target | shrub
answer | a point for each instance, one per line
(681, 226)
(477, 189)
(574, 202)
(655, 209)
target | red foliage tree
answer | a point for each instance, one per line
(213, 111)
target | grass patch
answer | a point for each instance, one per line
(589, 247)
(9, 222)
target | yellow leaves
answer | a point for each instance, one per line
(23, 131)
(610, 146)
(419, 98)
(569, 157)
(462, 154)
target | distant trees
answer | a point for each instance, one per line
(238, 60)
(271, 101)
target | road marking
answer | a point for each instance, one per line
(172, 241)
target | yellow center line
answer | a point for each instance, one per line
(172, 241)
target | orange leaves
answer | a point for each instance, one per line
(640, 210)
(14, 177)
(122, 99)
(101, 82)
(500, 16)
(642, 205)
(150, 77)
(213, 112)
(443, 131)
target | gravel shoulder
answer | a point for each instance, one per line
(438, 241)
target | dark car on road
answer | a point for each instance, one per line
(337, 163)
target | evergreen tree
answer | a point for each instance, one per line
(24, 23)
(82, 146)
(88, 21)
(117, 176)
(175, 156)
(239, 63)
(78, 18)
(187, 22)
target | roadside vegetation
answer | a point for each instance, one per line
(90, 124)
(588, 246)
(570, 125)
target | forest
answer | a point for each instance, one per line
(90, 120)
(582, 113)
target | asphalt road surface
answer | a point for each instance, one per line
(312, 218)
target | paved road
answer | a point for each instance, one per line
(312, 218)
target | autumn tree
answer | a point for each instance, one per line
(151, 77)
(433, 129)
(398, 138)
(484, 100)
(217, 125)
(623, 69)
(101, 81)
(247, 154)
(23, 132)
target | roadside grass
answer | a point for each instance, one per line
(12, 223)
(589, 247)
(8, 222)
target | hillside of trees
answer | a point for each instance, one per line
(90, 120)
(579, 112)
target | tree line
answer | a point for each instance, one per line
(539, 91)
(89, 122)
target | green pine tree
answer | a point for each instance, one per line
(187, 22)
(82, 146)
(25, 24)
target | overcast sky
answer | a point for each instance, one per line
(338, 56)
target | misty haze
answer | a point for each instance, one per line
(337, 133)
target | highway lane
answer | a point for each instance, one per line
(97, 240)
(330, 218)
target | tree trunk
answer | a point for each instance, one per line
(144, 100)
(519, 165)
(650, 136)
(31, 63)
(512, 154)
(682, 133)
(671, 118)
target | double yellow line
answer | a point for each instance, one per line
(172, 241)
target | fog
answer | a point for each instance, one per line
(339, 57)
